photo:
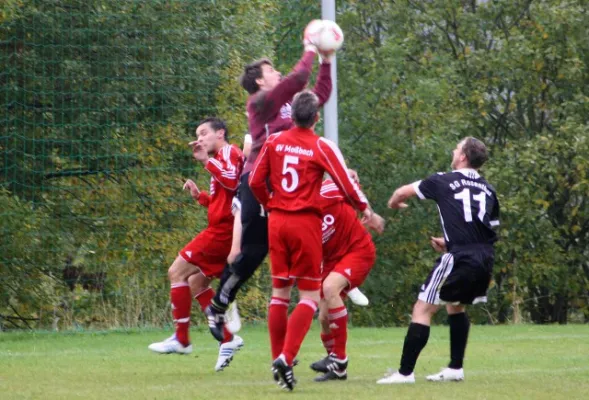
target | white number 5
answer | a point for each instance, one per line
(294, 176)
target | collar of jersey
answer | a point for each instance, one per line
(468, 172)
(298, 130)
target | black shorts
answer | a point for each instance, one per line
(254, 219)
(461, 276)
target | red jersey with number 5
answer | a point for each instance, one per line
(293, 163)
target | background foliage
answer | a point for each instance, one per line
(98, 100)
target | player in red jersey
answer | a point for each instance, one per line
(205, 256)
(348, 257)
(269, 111)
(293, 162)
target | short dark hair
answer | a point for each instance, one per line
(216, 124)
(305, 107)
(251, 72)
(475, 151)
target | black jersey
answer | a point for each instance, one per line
(467, 203)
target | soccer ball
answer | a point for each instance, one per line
(325, 34)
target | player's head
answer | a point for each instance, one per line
(260, 75)
(305, 109)
(212, 134)
(469, 153)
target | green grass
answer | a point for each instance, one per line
(503, 362)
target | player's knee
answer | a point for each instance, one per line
(332, 288)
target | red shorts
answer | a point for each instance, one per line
(208, 251)
(355, 265)
(295, 249)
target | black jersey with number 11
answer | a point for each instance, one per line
(467, 203)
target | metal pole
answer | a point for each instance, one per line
(330, 128)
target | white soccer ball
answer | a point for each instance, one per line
(325, 34)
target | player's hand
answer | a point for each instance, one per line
(326, 57)
(376, 223)
(198, 152)
(395, 203)
(438, 244)
(192, 188)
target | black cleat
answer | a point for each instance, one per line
(275, 375)
(216, 321)
(285, 374)
(330, 363)
(334, 375)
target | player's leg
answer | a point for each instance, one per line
(423, 310)
(254, 247)
(335, 364)
(459, 328)
(326, 334)
(466, 284)
(302, 238)
(181, 300)
(232, 318)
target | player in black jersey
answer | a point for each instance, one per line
(469, 210)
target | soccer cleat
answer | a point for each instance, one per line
(285, 373)
(232, 319)
(447, 375)
(358, 297)
(169, 346)
(216, 321)
(396, 377)
(333, 376)
(275, 375)
(227, 351)
(330, 363)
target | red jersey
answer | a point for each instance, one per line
(341, 227)
(269, 111)
(294, 162)
(225, 169)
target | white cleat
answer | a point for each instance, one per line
(396, 377)
(447, 375)
(232, 319)
(226, 352)
(358, 297)
(169, 346)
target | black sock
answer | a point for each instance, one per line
(459, 327)
(415, 341)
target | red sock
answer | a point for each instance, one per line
(204, 299)
(338, 323)
(181, 303)
(327, 339)
(277, 322)
(298, 325)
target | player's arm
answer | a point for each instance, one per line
(259, 175)
(225, 171)
(203, 198)
(332, 160)
(400, 195)
(438, 244)
(247, 145)
(323, 85)
(268, 102)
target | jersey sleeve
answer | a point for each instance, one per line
(428, 188)
(259, 175)
(333, 162)
(204, 199)
(227, 170)
(323, 85)
(494, 218)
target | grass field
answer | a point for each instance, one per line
(503, 362)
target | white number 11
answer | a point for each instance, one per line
(464, 195)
